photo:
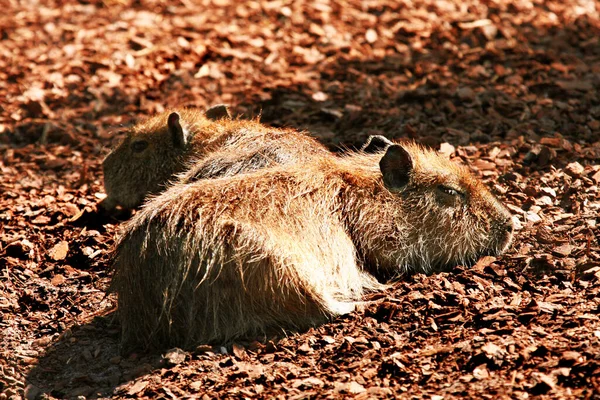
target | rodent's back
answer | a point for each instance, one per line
(251, 146)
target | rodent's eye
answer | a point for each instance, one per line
(139, 146)
(450, 191)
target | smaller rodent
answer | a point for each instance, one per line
(157, 149)
(288, 247)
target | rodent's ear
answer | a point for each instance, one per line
(220, 111)
(376, 143)
(177, 133)
(395, 167)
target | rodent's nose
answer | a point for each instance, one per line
(505, 227)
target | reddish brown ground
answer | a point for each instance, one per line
(511, 87)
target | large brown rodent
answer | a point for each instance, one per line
(157, 149)
(288, 247)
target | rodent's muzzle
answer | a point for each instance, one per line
(502, 235)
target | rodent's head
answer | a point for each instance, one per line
(151, 153)
(448, 216)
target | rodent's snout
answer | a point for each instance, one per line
(504, 235)
(509, 226)
(503, 219)
(108, 204)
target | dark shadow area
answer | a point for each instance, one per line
(87, 361)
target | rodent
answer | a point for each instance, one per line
(288, 247)
(154, 151)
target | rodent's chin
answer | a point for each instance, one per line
(471, 260)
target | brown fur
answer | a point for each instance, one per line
(130, 176)
(288, 247)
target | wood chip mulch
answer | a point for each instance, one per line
(509, 87)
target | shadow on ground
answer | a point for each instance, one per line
(86, 361)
